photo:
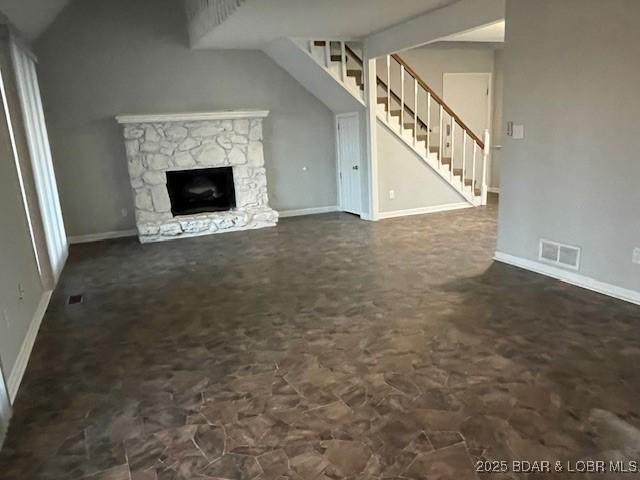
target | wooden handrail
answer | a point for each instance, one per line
(435, 96)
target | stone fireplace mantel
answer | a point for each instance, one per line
(192, 117)
(160, 143)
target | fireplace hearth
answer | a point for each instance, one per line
(201, 190)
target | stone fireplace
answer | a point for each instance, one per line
(197, 173)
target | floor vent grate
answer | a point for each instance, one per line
(75, 299)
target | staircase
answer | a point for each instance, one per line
(414, 112)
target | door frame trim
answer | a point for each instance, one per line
(489, 76)
(340, 199)
(5, 406)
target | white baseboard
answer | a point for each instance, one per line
(96, 237)
(423, 210)
(493, 190)
(307, 211)
(570, 277)
(15, 377)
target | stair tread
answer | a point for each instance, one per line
(382, 100)
(319, 43)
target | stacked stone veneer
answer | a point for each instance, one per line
(156, 147)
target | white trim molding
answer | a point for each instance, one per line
(20, 366)
(424, 210)
(191, 117)
(96, 237)
(307, 211)
(570, 277)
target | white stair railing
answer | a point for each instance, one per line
(485, 158)
(457, 165)
(343, 61)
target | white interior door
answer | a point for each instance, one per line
(348, 139)
(469, 95)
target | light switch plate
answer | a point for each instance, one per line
(392, 194)
(518, 132)
(636, 256)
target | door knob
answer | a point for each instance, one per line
(356, 167)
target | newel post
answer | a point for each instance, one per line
(485, 159)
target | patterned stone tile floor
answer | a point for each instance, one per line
(325, 348)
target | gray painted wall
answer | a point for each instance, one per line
(571, 77)
(432, 61)
(416, 185)
(99, 59)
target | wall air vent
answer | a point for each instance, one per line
(559, 254)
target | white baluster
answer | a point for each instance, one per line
(388, 88)
(343, 59)
(473, 172)
(415, 111)
(453, 144)
(440, 149)
(401, 99)
(327, 54)
(485, 158)
(428, 121)
(464, 155)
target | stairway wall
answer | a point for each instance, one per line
(416, 185)
(100, 59)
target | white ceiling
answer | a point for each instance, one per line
(488, 33)
(257, 22)
(32, 17)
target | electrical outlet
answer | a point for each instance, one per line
(124, 212)
(636, 256)
(392, 194)
(20, 292)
